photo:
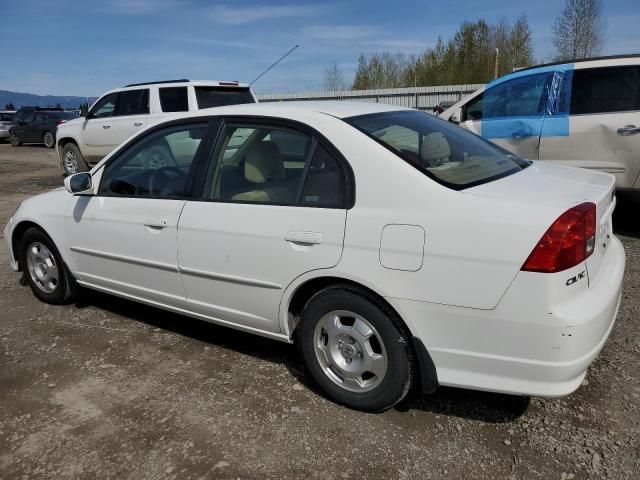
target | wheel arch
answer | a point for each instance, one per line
(17, 234)
(302, 293)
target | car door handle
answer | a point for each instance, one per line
(305, 238)
(106, 126)
(138, 124)
(628, 130)
(155, 222)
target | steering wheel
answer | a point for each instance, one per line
(158, 156)
(170, 175)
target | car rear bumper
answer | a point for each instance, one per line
(521, 347)
(4, 133)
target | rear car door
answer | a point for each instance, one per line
(124, 239)
(510, 113)
(22, 129)
(273, 207)
(604, 124)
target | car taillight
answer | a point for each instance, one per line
(570, 240)
(59, 122)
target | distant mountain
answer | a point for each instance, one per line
(22, 99)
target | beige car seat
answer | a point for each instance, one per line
(435, 150)
(264, 168)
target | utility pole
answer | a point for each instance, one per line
(495, 65)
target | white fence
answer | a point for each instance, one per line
(423, 98)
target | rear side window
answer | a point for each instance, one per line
(134, 102)
(602, 90)
(174, 99)
(220, 96)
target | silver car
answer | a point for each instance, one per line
(6, 119)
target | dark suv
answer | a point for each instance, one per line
(38, 126)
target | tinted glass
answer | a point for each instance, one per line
(520, 97)
(602, 90)
(64, 115)
(106, 106)
(7, 117)
(158, 165)
(473, 110)
(134, 102)
(29, 118)
(174, 99)
(260, 164)
(448, 154)
(220, 96)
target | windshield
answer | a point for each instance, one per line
(65, 115)
(450, 155)
(6, 117)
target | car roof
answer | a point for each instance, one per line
(338, 109)
(184, 83)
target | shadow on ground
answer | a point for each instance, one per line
(475, 405)
(626, 217)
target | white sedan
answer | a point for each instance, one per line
(394, 248)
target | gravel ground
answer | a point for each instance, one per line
(110, 389)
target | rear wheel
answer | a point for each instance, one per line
(45, 272)
(15, 141)
(355, 349)
(72, 160)
(48, 140)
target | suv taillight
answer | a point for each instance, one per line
(570, 240)
(60, 122)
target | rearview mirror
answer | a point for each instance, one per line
(78, 183)
(456, 114)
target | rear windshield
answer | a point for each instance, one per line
(6, 117)
(220, 96)
(445, 152)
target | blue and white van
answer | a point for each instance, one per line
(584, 114)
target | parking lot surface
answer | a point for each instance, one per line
(107, 388)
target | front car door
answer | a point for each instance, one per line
(97, 135)
(22, 129)
(273, 207)
(132, 114)
(510, 112)
(124, 239)
(604, 123)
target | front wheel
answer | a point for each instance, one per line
(354, 347)
(44, 269)
(15, 141)
(48, 140)
(72, 160)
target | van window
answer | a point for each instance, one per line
(602, 90)
(174, 99)
(134, 102)
(220, 96)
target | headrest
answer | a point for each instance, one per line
(263, 163)
(435, 149)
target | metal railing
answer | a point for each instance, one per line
(422, 98)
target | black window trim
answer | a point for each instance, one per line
(203, 148)
(160, 89)
(349, 196)
(449, 185)
(602, 67)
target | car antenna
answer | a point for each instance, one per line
(274, 64)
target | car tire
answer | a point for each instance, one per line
(72, 160)
(48, 140)
(44, 269)
(356, 348)
(14, 140)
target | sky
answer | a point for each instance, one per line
(70, 47)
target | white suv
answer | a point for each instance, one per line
(583, 114)
(120, 113)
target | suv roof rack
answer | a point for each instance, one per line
(182, 80)
(579, 60)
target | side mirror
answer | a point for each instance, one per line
(456, 115)
(78, 183)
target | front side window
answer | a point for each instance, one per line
(520, 97)
(450, 155)
(105, 107)
(134, 102)
(157, 166)
(473, 110)
(274, 165)
(174, 99)
(603, 90)
(29, 118)
(220, 96)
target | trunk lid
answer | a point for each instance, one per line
(562, 188)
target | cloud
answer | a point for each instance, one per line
(141, 7)
(242, 15)
(337, 32)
